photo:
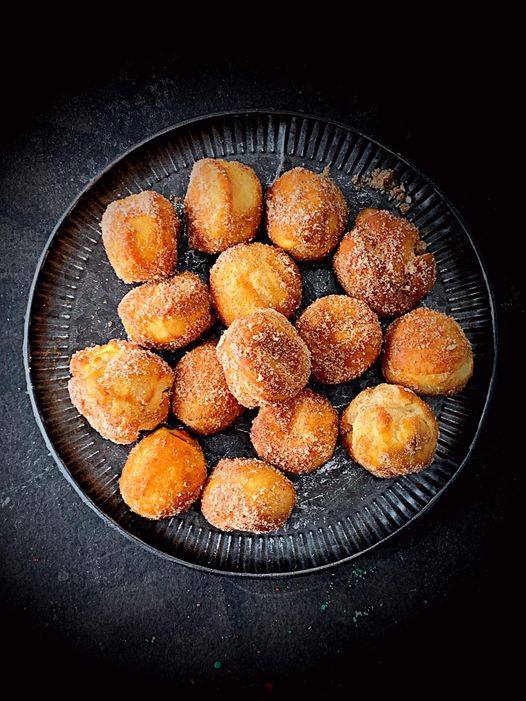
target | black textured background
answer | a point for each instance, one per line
(83, 608)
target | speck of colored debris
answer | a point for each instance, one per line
(358, 573)
(217, 664)
(361, 614)
(324, 606)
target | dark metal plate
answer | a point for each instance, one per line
(342, 510)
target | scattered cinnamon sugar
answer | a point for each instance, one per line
(384, 180)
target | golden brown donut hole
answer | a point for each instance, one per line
(168, 314)
(223, 204)
(389, 431)
(381, 262)
(120, 389)
(254, 276)
(306, 214)
(263, 358)
(140, 234)
(201, 398)
(163, 475)
(343, 335)
(297, 436)
(247, 495)
(428, 352)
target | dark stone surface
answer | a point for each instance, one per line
(77, 596)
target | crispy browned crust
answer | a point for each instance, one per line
(343, 335)
(297, 436)
(201, 398)
(121, 389)
(428, 352)
(306, 213)
(168, 314)
(253, 276)
(163, 475)
(263, 358)
(390, 431)
(381, 262)
(136, 257)
(247, 495)
(217, 217)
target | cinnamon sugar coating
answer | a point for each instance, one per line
(297, 436)
(253, 276)
(306, 213)
(140, 235)
(201, 398)
(381, 262)
(263, 358)
(223, 204)
(343, 335)
(390, 431)
(247, 495)
(168, 314)
(428, 352)
(121, 389)
(164, 474)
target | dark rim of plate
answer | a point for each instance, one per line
(264, 113)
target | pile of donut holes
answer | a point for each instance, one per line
(265, 356)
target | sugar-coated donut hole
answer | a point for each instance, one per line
(163, 475)
(381, 262)
(223, 204)
(263, 358)
(389, 431)
(120, 389)
(168, 314)
(140, 235)
(297, 436)
(343, 335)
(244, 494)
(254, 276)
(201, 398)
(428, 352)
(306, 214)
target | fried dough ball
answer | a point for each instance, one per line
(382, 262)
(263, 358)
(164, 474)
(201, 398)
(297, 436)
(390, 431)
(120, 389)
(343, 335)
(306, 213)
(254, 276)
(140, 234)
(428, 352)
(247, 495)
(168, 314)
(223, 204)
